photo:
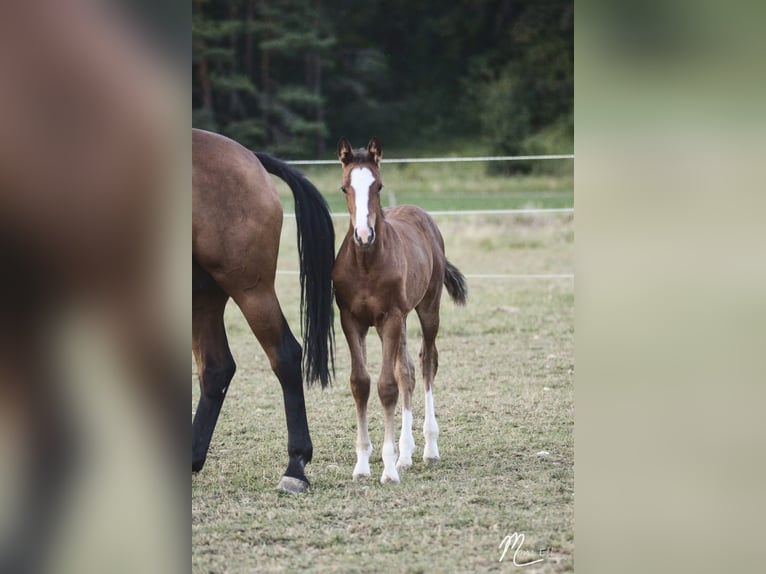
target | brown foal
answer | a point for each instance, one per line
(391, 262)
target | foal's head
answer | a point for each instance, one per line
(362, 184)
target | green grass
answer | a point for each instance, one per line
(504, 393)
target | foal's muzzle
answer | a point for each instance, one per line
(366, 239)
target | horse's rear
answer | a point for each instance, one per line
(407, 218)
(236, 214)
(417, 235)
(236, 226)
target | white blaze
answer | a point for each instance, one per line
(361, 180)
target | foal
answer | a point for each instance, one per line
(391, 262)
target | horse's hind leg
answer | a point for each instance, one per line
(264, 315)
(428, 312)
(215, 367)
(405, 378)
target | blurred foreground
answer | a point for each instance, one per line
(93, 217)
(670, 282)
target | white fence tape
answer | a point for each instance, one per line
(477, 212)
(468, 212)
(442, 159)
(487, 276)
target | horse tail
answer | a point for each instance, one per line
(455, 283)
(316, 251)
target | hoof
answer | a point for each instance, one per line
(197, 465)
(431, 460)
(362, 466)
(403, 465)
(292, 485)
(388, 479)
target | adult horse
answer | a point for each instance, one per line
(236, 224)
(391, 262)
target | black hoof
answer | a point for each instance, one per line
(197, 465)
(292, 485)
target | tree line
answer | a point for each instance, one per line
(291, 76)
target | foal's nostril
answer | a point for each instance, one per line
(364, 237)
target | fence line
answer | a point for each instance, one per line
(442, 159)
(516, 276)
(466, 212)
(501, 211)
(476, 212)
(486, 275)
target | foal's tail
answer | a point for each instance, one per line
(316, 250)
(455, 283)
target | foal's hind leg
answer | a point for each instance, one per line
(264, 315)
(405, 378)
(215, 368)
(428, 312)
(356, 336)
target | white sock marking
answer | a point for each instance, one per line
(362, 467)
(406, 441)
(363, 448)
(430, 430)
(388, 453)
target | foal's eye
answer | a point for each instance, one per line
(343, 189)
(380, 186)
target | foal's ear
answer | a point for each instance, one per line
(345, 153)
(375, 150)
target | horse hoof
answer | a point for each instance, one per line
(431, 460)
(403, 465)
(388, 479)
(292, 485)
(197, 465)
(361, 469)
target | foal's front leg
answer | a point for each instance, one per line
(360, 387)
(405, 377)
(390, 334)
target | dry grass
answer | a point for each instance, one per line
(504, 397)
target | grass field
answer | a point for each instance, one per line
(504, 402)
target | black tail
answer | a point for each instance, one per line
(455, 283)
(316, 250)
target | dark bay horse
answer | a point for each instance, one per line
(236, 225)
(391, 262)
